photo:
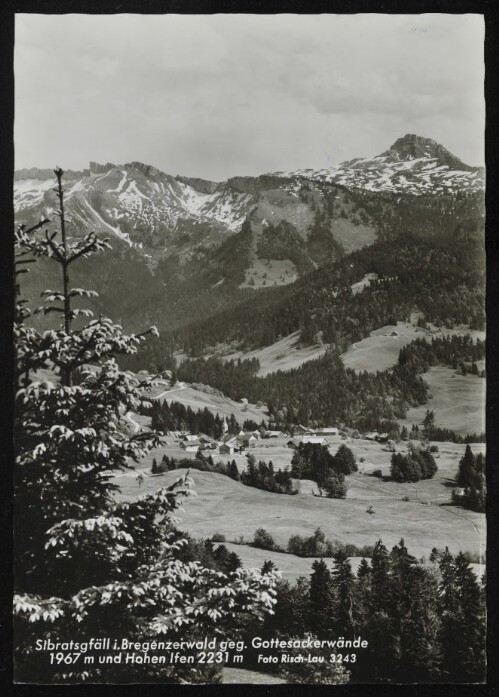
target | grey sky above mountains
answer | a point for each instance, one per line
(223, 95)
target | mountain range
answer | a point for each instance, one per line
(186, 247)
(142, 205)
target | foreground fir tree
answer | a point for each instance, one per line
(88, 563)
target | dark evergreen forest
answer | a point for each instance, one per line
(424, 622)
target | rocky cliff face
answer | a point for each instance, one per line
(204, 186)
(414, 146)
(253, 185)
(97, 168)
(41, 174)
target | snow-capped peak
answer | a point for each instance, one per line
(412, 165)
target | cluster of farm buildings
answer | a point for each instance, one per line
(230, 444)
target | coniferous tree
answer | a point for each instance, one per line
(380, 577)
(70, 440)
(419, 646)
(321, 600)
(462, 631)
(344, 583)
(401, 563)
(362, 593)
(234, 471)
(471, 597)
(471, 475)
(466, 468)
(364, 570)
(292, 609)
(424, 621)
(383, 651)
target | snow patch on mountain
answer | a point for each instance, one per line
(417, 176)
(194, 200)
(77, 186)
(120, 186)
(29, 193)
(227, 207)
(116, 230)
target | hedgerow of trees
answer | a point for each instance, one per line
(263, 476)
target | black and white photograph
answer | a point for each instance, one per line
(249, 345)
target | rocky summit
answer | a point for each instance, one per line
(412, 165)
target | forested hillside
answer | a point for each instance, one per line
(318, 393)
(441, 277)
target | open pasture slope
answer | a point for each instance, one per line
(285, 354)
(195, 398)
(380, 350)
(426, 520)
(457, 400)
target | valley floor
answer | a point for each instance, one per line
(420, 513)
(425, 519)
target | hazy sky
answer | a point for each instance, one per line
(219, 95)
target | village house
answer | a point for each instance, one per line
(248, 433)
(300, 430)
(191, 446)
(329, 431)
(175, 434)
(230, 446)
(248, 440)
(317, 440)
(207, 443)
(272, 434)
